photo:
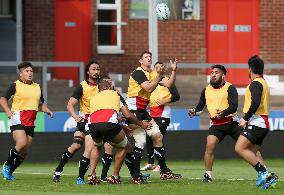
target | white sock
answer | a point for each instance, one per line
(209, 173)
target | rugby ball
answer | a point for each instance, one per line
(163, 11)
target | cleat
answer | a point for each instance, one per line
(56, 177)
(6, 173)
(148, 167)
(262, 177)
(10, 178)
(103, 180)
(145, 176)
(94, 180)
(270, 182)
(89, 177)
(156, 169)
(139, 180)
(80, 181)
(113, 180)
(169, 175)
(207, 178)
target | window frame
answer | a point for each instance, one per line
(113, 49)
(6, 7)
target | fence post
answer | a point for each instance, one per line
(44, 81)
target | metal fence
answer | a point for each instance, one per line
(44, 66)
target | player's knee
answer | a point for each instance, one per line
(210, 148)
(21, 147)
(238, 149)
(153, 131)
(158, 138)
(77, 142)
(76, 146)
(108, 148)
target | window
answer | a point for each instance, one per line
(7, 8)
(180, 9)
(109, 27)
(138, 9)
(8, 31)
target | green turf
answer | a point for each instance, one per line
(35, 179)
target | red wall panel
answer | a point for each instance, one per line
(72, 35)
(238, 41)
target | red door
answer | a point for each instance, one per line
(72, 35)
(232, 34)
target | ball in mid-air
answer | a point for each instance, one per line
(163, 11)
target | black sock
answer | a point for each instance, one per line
(259, 167)
(13, 153)
(83, 166)
(129, 161)
(150, 150)
(137, 160)
(66, 156)
(106, 160)
(160, 155)
(17, 162)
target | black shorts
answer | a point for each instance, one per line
(163, 124)
(220, 131)
(141, 115)
(106, 131)
(255, 134)
(28, 129)
(81, 126)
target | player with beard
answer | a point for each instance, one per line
(221, 100)
(82, 94)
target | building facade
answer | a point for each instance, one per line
(109, 31)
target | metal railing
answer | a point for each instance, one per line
(208, 65)
(44, 66)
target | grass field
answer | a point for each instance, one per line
(230, 177)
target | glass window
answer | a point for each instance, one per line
(107, 15)
(8, 30)
(139, 9)
(107, 1)
(109, 35)
(180, 9)
(7, 8)
(109, 26)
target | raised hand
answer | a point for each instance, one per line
(191, 112)
(78, 118)
(174, 64)
(161, 70)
